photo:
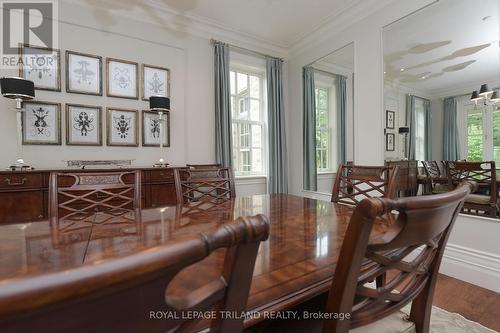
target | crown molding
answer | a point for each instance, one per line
(194, 26)
(337, 23)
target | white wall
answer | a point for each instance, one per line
(395, 100)
(369, 114)
(190, 60)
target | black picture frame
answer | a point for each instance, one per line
(390, 143)
(390, 117)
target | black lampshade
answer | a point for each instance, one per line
(404, 130)
(474, 96)
(158, 103)
(15, 87)
(484, 90)
(495, 97)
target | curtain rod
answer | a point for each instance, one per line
(213, 41)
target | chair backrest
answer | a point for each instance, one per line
(432, 169)
(204, 185)
(423, 224)
(76, 196)
(354, 183)
(204, 166)
(128, 294)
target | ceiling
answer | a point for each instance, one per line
(445, 46)
(278, 22)
(343, 58)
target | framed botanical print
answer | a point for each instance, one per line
(151, 129)
(389, 141)
(41, 65)
(83, 125)
(83, 73)
(155, 81)
(389, 119)
(41, 123)
(121, 78)
(122, 127)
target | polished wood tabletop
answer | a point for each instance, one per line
(296, 263)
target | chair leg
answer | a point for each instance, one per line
(421, 309)
(380, 280)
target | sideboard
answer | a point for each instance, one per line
(24, 194)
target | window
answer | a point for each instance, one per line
(420, 130)
(475, 135)
(483, 133)
(322, 129)
(248, 122)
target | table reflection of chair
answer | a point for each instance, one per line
(79, 201)
(118, 295)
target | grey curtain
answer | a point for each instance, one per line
(309, 129)
(410, 122)
(341, 117)
(428, 130)
(278, 169)
(223, 144)
(451, 149)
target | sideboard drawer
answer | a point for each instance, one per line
(162, 175)
(20, 180)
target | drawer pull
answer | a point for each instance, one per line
(10, 183)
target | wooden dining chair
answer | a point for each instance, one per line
(436, 179)
(484, 174)
(204, 185)
(409, 254)
(79, 195)
(354, 183)
(129, 294)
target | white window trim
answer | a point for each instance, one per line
(263, 100)
(330, 148)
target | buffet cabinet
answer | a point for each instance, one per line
(24, 194)
(406, 179)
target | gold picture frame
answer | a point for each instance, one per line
(21, 52)
(40, 129)
(110, 140)
(108, 88)
(143, 80)
(69, 76)
(144, 130)
(72, 142)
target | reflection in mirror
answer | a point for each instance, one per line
(442, 79)
(328, 118)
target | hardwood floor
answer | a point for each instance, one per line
(472, 302)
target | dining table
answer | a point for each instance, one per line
(295, 264)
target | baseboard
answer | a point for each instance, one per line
(473, 266)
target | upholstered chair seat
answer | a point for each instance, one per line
(479, 199)
(440, 188)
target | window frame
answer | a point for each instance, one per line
(262, 123)
(328, 129)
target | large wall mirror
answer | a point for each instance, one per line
(328, 117)
(434, 60)
(442, 103)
